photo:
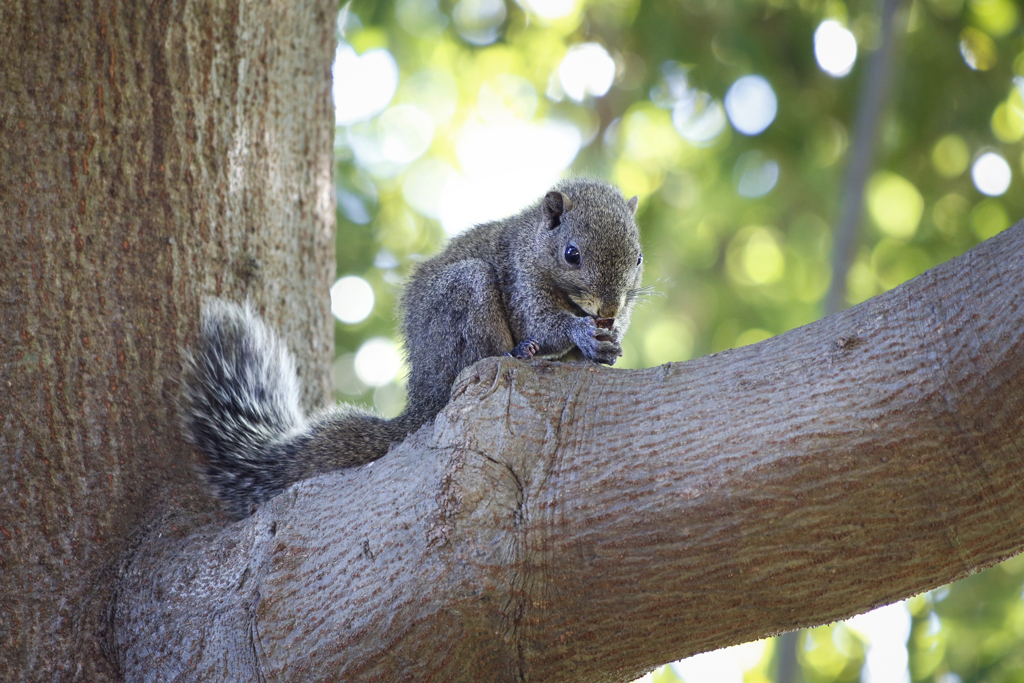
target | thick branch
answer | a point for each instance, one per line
(573, 522)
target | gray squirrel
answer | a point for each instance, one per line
(558, 280)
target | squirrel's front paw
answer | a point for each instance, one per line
(597, 344)
(525, 349)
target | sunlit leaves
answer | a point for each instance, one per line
(895, 204)
(755, 257)
(495, 99)
(551, 10)
(479, 21)
(831, 654)
(991, 174)
(989, 218)
(647, 146)
(755, 175)
(421, 18)
(493, 102)
(828, 141)
(351, 299)
(977, 626)
(835, 48)
(751, 104)
(950, 213)
(696, 115)
(950, 155)
(1008, 120)
(586, 70)
(978, 49)
(996, 17)
(363, 84)
(669, 339)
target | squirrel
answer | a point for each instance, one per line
(557, 281)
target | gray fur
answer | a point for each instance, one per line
(504, 287)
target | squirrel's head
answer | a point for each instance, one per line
(591, 247)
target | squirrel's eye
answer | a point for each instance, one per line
(640, 259)
(572, 255)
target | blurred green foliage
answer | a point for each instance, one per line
(737, 228)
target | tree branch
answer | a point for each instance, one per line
(579, 523)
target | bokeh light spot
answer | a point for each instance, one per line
(991, 174)
(762, 258)
(351, 299)
(550, 10)
(950, 213)
(950, 156)
(997, 17)
(893, 262)
(352, 206)
(755, 175)
(886, 630)
(506, 98)
(421, 18)
(895, 204)
(389, 399)
(517, 148)
(698, 118)
(720, 666)
(505, 167)
(479, 21)
(754, 257)
(424, 182)
(363, 84)
(860, 282)
(978, 50)
(343, 375)
(989, 218)
(668, 340)
(751, 104)
(377, 361)
(405, 133)
(1008, 118)
(835, 48)
(828, 141)
(433, 91)
(646, 134)
(672, 86)
(752, 336)
(587, 69)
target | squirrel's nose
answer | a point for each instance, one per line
(608, 309)
(609, 302)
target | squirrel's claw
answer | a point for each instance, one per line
(525, 349)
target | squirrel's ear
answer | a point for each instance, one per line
(632, 204)
(555, 204)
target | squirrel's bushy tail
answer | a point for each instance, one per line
(240, 407)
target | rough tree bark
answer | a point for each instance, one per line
(577, 523)
(150, 154)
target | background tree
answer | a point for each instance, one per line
(150, 154)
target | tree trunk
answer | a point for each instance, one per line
(150, 154)
(578, 523)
